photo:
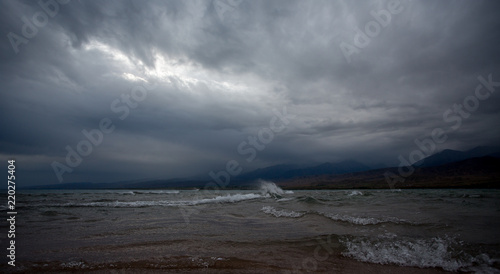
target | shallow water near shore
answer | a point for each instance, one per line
(262, 230)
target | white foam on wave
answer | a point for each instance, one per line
(218, 199)
(353, 219)
(270, 188)
(114, 204)
(355, 193)
(285, 199)
(472, 196)
(170, 191)
(423, 253)
(229, 198)
(362, 220)
(356, 220)
(158, 192)
(281, 213)
(74, 265)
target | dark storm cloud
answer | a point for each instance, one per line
(219, 74)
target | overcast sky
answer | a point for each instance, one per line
(183, 84)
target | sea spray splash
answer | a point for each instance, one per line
(271, 189)
(355, 193)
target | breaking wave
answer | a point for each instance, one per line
(227, 199)
(158, 192)
(355, 193)
(216, 200)
(271, 189)
(354, 220)
(363, 220)
(134, 192)
(445, 253)
(281, 213)
(267, 190)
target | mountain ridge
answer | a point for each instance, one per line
(449, 155)
(480, 172)
(290, 173)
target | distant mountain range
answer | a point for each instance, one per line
(478, 167)
(449, 156)
(280, 172)
(482, 172)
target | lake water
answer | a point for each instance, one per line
(265, 230)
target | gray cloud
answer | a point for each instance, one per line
(218, 79)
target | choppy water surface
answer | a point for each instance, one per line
(263, 230)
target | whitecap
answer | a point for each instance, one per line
(358, 220)
(355, 193)
(353, 219)
(270, 188)
(218, 199)
(281, 213)
(158, 192)
(284, 199)
(423, 253)
(228, 198)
